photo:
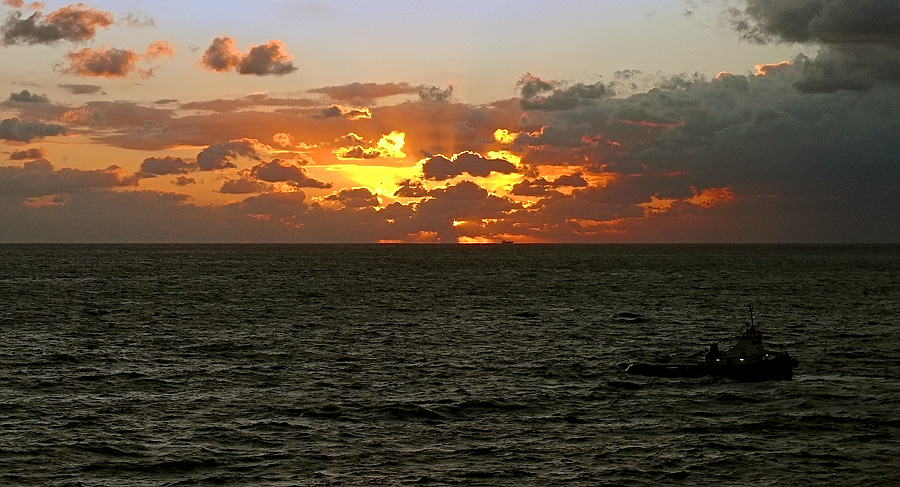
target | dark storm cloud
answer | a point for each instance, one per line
(74, 23)
(539, 94)
(828, 156)
(26, 96)
(26, 131)
(263, 60)
(440, 168)
(820, 21)
(860, 39)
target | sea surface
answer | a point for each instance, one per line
(494, 365)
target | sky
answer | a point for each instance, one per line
(450, 122)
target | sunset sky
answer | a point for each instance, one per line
(465, 121)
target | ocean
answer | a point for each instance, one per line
(494, 365)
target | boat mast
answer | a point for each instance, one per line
(752, 325)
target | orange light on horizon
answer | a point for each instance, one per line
(475, 240)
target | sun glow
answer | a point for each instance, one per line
(505, 136)
(391, 145)
(475, 240)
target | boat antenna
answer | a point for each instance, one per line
(752, 325)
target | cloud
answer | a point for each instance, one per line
(39, 178)
(77, 89)
(389, 146)
(444, 210)
(355, 198)
(26, 131)
(860, 39)
(222, 155)
(115, 63)
(253, 101)
(532, 187)
(159, 166)
(244, 186)
(572, 180)
(263, 60)
(141, 216)
(366, 93)
(26, 96)
(539, 94)
(278, 171)
(286, 208)
(74, 23)
(441, 168)
(337, 111)
(184, 181)
(134, 20)
(435, 94)
(820, 21)
(109, 63)
(410, 189)
(700, 149)
(542, 187)
(33, 153)
(267, 59)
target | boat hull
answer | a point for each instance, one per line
(778, 368)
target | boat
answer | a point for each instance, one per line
(746, 360)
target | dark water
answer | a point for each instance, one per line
(434, 365)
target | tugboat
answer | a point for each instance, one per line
(746, 360)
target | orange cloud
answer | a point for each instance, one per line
(266, 59)
(767, 69)
(710, 197)
(74, 23)
(115, 63)
(390, 146)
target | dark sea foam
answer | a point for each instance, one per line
(433, 365)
